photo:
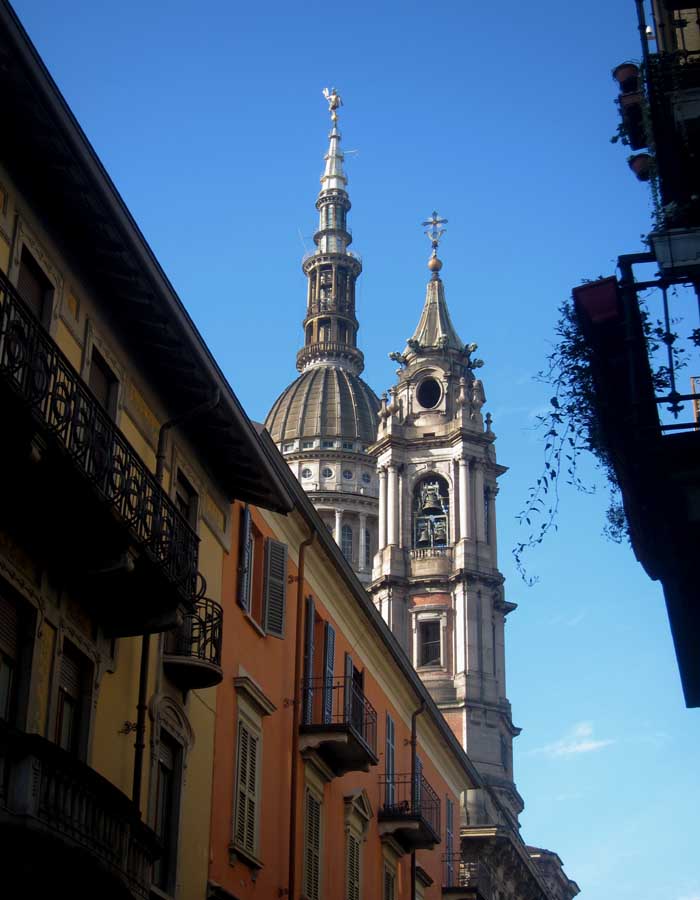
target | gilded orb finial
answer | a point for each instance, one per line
(334, 101)
(435, 232)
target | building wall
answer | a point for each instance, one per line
(269, 662)
(78, 322)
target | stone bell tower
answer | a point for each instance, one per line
(435, 576)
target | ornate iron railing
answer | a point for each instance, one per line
(42, 782)
(201, 632)
(464, 873)
(409, 797)
(339, 701)
(35, 369)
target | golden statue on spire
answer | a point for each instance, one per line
(334, 101)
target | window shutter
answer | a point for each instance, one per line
(244, 568)
(9, 627)
(312, 848)
(275, 587)
(389, 760)
(352, 880)
(309, 661)
(328, 665)
(71, 676)
(388, 885)
(448, 840)
(418, 785)
(246, 789)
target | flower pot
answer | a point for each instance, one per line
(641, 165)
(677, 249)
(627, 76)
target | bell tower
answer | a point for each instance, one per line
(435, 575)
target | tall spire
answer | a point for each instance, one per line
(435, 330)
(330, 326)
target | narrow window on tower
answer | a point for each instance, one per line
(429, 643)
(346, 542)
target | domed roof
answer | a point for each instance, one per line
(328, 401)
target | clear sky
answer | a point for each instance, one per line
(209, 117)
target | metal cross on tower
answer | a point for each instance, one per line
(435, 231)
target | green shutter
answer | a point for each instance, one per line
(245, 575)
(275, 592)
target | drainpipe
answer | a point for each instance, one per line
(141, 706)
(296, 715)
(414, 745)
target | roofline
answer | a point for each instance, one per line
(333, 552)
(124, 221)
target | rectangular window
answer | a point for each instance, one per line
(352, 868)
(34, 287)
(9, 658)
(429, 643)
(72, 713)
(247, 787)
(312, 847)
(449, 863)
(103, 383)
(348, 445)
(327, 445)
(307, 445)
(186, 498)
(390, 770)
(245, 561)
(167, 813)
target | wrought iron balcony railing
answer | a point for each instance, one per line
(66, 800)
(340, 702)
(464, 873)
(35, 370)
(192, 654)
(411, 798)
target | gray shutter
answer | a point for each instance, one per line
(347, 690)
(328, 666)
(309, 661)
(275, 587)
(244, 573)
(418, 785)
(71, 677)
(389, 760)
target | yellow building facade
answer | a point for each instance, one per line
(122, 449)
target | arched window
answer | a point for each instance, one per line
(346, 542)
(368, 549)
(431, 513)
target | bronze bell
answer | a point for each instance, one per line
(431, 499)
(423, 535)
(440, 533)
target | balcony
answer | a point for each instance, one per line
(409, 811)
(58, 814)
(77, 492)
(340, 723)
(192, 655)
(324, 349)
(642, 340)
(430, 561)
(466, 879)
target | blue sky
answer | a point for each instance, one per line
(210, 120)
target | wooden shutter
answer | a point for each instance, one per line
(312, 848)
(71, 675)
(9, 627)
(245, 575)
(347, 699)
(352, 866)
(245, 825)
(328, 665)
(388, 885)
(309, 660)
(417, 785)
(275, 587)
(448, 840)
(390, 744)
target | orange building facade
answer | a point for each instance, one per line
(317, 792)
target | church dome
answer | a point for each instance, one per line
(325, 401)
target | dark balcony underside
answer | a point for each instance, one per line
(340, 747)
(412, 832)
(52, 511)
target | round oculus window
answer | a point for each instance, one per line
(347, 474)
(327, 473)
(306, 473)
(429, 393)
